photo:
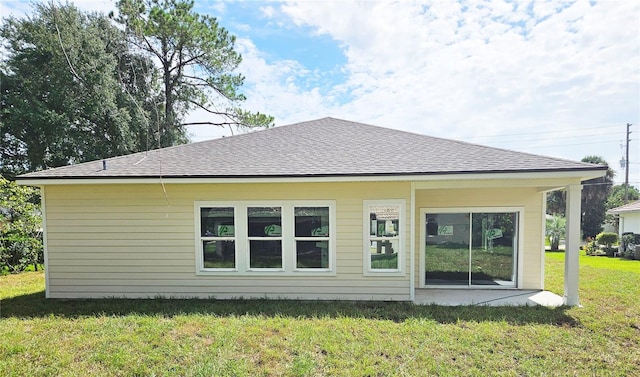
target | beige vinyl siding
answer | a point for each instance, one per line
(136, 241)
(527, 198)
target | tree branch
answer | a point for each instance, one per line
(193, 83)
(146, 47)
(220, 124)
(187, 62)
(196, 78)
(207, 109)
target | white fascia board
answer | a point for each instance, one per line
(570, 175)
(623, 212)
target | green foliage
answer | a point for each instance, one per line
(616, 199)
(592, 248)
(71, 91)
(76, 88)
(20, 233)
(557, 202)
(595, 200)
(616, 196)
(628, 245)
(594, 197)
(555, 230)
(607, 239)
(197, 59)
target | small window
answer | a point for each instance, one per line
(217, 235)
(312, 237)
(265, 237)
(384, 226)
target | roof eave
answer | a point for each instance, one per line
(582, 174)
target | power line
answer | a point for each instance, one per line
(559, 145)
(561, 137)
(55, 23)
(626, 166)
(541, 132)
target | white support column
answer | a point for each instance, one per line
(412, 244)
(571, 255)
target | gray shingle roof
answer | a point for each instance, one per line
(323, 147)
(630, 207)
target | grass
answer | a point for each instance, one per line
(165, 337)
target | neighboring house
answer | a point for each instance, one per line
(325, 209)
(629, 217)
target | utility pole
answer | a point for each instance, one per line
(626, 166)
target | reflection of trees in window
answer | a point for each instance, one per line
(489, 260)
(311, 221)
(217, 229)
(265, 237)
(484, 222)
(217, 222)
(384, 230)
(312, 237)
(265, 221)
(272, 237)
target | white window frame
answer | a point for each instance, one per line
(216, 238)
(265, 238)
(519, 270)
(366, 241)
(316, 239)
(288, 239)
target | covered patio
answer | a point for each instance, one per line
(458, 263)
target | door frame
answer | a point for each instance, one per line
(519, 254)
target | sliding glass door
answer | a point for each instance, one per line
(471, 248)
(447, 249)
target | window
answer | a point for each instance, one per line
(312, 237)
(217, 232)
(265, 237)
(384, 224)
(285, 237)
(473, 248)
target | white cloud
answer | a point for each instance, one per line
(467, 69)
(273, 88)
(470, 70)
(463, 70)
(268, 11)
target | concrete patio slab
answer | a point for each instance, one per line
(511, 297)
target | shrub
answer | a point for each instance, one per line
(607, 239)
(628, 245)
(591, 248)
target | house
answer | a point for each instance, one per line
(324, 209)
(629, 217)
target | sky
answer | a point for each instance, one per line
(557, 78)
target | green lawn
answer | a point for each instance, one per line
(285, 338)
